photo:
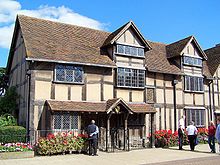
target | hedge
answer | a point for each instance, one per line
(12, 134)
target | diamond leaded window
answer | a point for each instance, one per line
(68, 73)
(65, 121)
(127, 77)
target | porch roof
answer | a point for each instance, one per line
(86, 106)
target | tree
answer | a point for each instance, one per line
(3, 81)
(8, 102)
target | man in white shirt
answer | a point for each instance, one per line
(192, 133)
(182, 122)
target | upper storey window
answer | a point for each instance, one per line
(127, 77)
(68, 73)
(130, 50)
(187, 60)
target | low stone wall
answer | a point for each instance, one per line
(16, 155)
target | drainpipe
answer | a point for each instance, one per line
(213, 96)
(174, 82)
(28, 109)
(210, 100)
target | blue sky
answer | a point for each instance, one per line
(158, 20)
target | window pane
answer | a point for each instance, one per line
(127, 77)
(69, 73)
(127, 50)
(200, 84)
(57, 121)
(199, 62)
(121, 77)
(74, 123)
(141, 78)
(140, 52)
(187, 83)
(134, 51)
(78, 74)
(192, 84)
(66, 121)
(120, 49)
(196, 83)
(60, 73)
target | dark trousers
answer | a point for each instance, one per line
(211, 141)
(180, 142)
(192, 139)
(93, 146)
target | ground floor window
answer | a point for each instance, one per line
(196, 115)
(65, 121)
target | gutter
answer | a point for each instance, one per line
(67, 62)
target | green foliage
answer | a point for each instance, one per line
(12, 134)
(3, 81)
(8, 103)
(7, 120)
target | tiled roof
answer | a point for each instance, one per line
(176, 48)
(156, 60)
(55, 41)
(86, 106)
(213, 61)
(58, 42)
(141, 107)
(80, 106)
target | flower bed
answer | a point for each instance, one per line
(60, 143)
(16, 150)
(15, 147)
(165, 138)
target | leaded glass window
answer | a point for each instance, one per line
(196, 115)
(193, 83)
(130, 50)
(68, 73)
(65, 121)
(127, 77)
(192, 61)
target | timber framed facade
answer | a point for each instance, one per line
(67, 75)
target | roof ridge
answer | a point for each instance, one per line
(181, 40)
(43, 19)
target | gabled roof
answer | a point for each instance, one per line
(58, 42)
(113, 103)
(213, 61)
(116, 34)
(175, 49)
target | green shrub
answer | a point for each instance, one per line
(7, 120)
(12, 134)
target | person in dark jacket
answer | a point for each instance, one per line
(93, 138)
(180, 136)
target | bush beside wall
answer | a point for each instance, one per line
(12, 134)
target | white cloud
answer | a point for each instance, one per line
(10, 8)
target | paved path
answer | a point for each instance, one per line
(136, 157)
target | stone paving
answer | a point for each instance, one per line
(136, 157)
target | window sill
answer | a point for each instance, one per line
(127, 55)
(141, 88)
(71, 83)
(197, 92)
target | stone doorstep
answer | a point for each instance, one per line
(16, 155)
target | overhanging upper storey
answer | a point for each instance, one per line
(128, 40)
